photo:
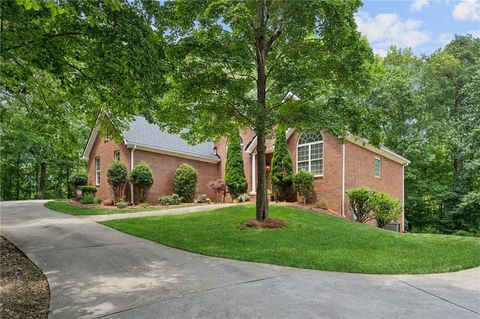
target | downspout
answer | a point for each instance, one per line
(132, 151)
(343, 179)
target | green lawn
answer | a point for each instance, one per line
(64, 207)
(311, 240)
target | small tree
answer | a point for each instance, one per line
(303, 184)
(117, 178)
(78, 178)
(142, 179)
(282, 167)
(186, 182)
(361, 203)
(219, 187)
(385, 208)
(234, 173)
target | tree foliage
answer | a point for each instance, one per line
(281, 174)
(233, 62)
(234, 172)
(430, 113)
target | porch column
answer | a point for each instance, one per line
(254, 175)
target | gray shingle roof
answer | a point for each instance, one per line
(144, 133)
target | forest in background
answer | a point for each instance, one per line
(427, 108)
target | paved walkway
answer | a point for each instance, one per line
(97, 272)
(162, 212)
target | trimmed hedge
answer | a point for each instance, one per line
(186, 182)
(117, 178)
(234, 172)
(142, 178)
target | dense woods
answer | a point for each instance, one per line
(54, 85)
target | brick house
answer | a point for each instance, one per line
(337, 166)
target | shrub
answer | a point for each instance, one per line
(201, 199)
(385, 208)
(234, 172)
(322, 203)
(78, 178)
(122, 203)
(281, 174)
(243, 197)
(219, 187)
(87, 198)
(173, 199)
(144, 204)
(117, 178)
(361, 203)
(142, 179)
(186, 182)
(88, 189)
(303, 184)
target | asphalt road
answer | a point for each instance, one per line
(97, 272)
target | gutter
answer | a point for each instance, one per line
(343, 179)
(132, 158)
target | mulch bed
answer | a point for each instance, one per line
(24, 290)
(267, 223)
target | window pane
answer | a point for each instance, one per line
(378, 165)
(302, 166)
(317, 151)
(309, 137)
(116, 155)
(303, 153)
(317, 167)
(97, 164)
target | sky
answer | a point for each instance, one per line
(423, 25)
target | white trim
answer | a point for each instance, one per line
(171, 152)
(88, 147)
(382, 151)
(253, 145)
(254, 176)
(98, 171)
(310, 154)
(343, 178)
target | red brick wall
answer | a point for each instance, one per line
(328, 186)
(104, 148)
(360, 172)
(163, 167)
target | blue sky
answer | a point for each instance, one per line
(423, 25)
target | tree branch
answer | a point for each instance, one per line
(65, 34)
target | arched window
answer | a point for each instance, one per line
(310, 153)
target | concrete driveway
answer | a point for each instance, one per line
(97, 272)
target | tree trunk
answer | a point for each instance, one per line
(42, 181)
(262, 203)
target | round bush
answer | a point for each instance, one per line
(78, 178)
(117, 178)
(186, 182)
(303, 184)
(142, 178)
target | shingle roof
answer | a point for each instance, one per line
(146, 134)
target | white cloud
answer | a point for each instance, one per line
(417, 5)
(388, 29)
(445, 38)
(467, 10)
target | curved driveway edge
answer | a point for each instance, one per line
(95, 272)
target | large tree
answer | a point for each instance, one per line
(233, 62)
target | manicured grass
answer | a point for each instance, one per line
(310, 240)
(64, 207)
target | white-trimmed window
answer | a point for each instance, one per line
(97, 170)
(377, 169)
(116, 155)
(310, 153)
